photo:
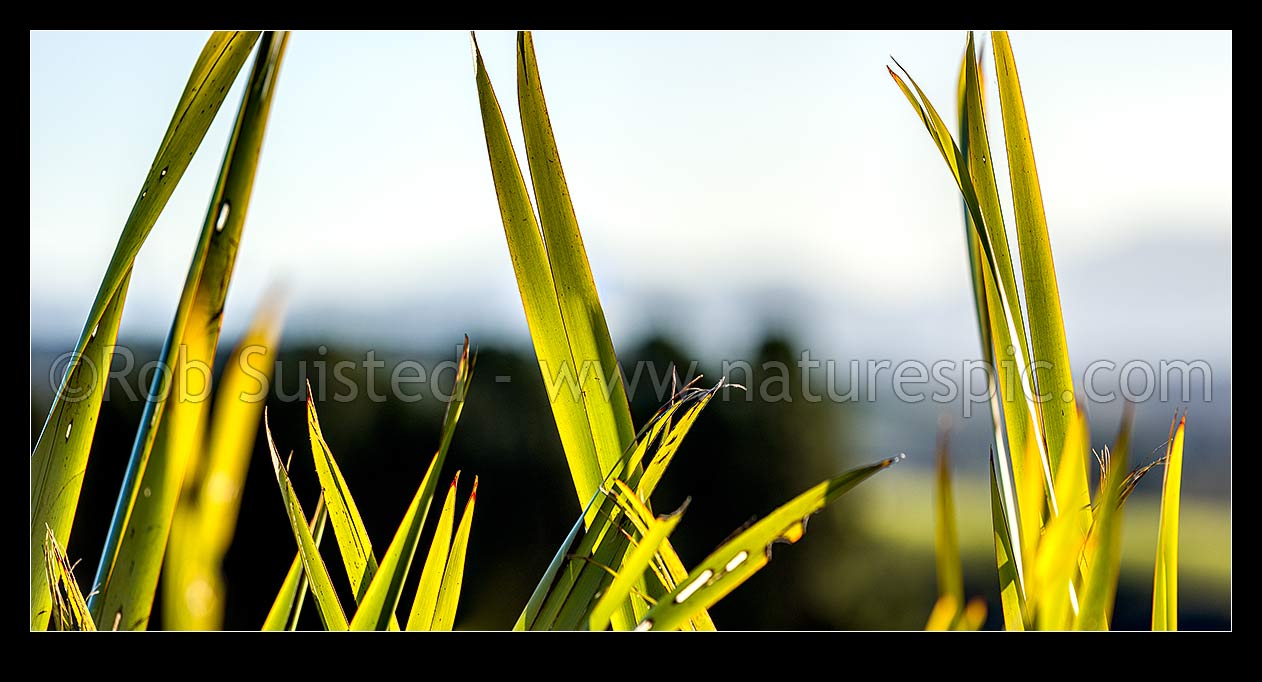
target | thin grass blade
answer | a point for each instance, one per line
(453, 576)
(312, 564)
(288, 604)
(426, 599)
(348, 526)
(1165, 586)
(376, 609)
(666, 566)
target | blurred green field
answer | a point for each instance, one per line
(899, 514)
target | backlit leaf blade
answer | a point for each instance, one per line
(206, 516)
(566, 579)
(538, 294)
(288, 604)
(1011, 590)
(58, 462)
(238, 411)
(642, 521)
(701, 621)
(131, 561)
(1051, 591)
(585, 327)
(216, 69)
(426, 599)
(558, 291)
(312, 564)
(453, 576)
(672, 438)
(1008, 298)
(666, 565)
(1104, 546)
(69, 609)
(588, 569)
(1073, 497)
(981, 172)
(648, 481)
(1008, 354)
(1165, 594)
(1054, 377)
(985, 297)
(586, 563)
(633, 568)
(376, 609)
(741, 557)
(558, 570)
(348, 526)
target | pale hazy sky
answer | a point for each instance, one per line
(720, 179)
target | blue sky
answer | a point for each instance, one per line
(722, 181)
